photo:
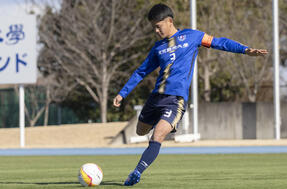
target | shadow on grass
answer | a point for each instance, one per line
(111, 183)
(39, 183)
(106, 183)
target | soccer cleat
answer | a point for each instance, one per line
(133, 178)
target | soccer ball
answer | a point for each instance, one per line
(90, 174)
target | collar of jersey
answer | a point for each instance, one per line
(178, 30)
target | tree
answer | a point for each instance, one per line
(208, 59)
(257, 22)
(57, 84)
(245, 21)
(92, 40)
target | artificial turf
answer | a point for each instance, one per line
(250, 171)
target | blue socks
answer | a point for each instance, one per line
(148, 156)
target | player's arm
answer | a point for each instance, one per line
(229, 45)
(149, 65)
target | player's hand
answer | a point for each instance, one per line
(256, 52)
(117, 100)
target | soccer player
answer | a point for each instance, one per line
(175, 55)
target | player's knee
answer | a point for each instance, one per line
(143, 129)
(159, 137)
(141, 132)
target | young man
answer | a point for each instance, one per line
(175, 55)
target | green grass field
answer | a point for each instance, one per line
(168, 171)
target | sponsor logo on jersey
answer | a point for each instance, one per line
(171, 49)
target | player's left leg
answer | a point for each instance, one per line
(143, 128)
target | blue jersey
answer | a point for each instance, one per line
(175, 57)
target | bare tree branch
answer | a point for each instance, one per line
(90, 40)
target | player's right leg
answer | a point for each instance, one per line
(146, 121)
(134, 176)
(162, 128)
(171, 111)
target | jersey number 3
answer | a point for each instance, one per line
(172, 57)
(167, 113)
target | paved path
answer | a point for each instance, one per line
(139, 150)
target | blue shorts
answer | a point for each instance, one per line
(161, 106)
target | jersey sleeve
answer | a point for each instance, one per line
(198, 35)
(222, 43)
(229, 45)
(149, 65)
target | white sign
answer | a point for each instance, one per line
(18, 49)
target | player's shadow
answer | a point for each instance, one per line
(107, 183)
(47, 183)
(39, 183)
(111, 183)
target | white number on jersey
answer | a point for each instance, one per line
(172, 58)
(167, 113)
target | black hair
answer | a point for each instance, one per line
(159, 12)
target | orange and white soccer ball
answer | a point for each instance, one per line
(90, 174)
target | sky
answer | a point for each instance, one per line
(19, 7)
(12, 7)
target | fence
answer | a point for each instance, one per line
(9, 111)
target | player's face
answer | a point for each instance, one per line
(163, 28)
